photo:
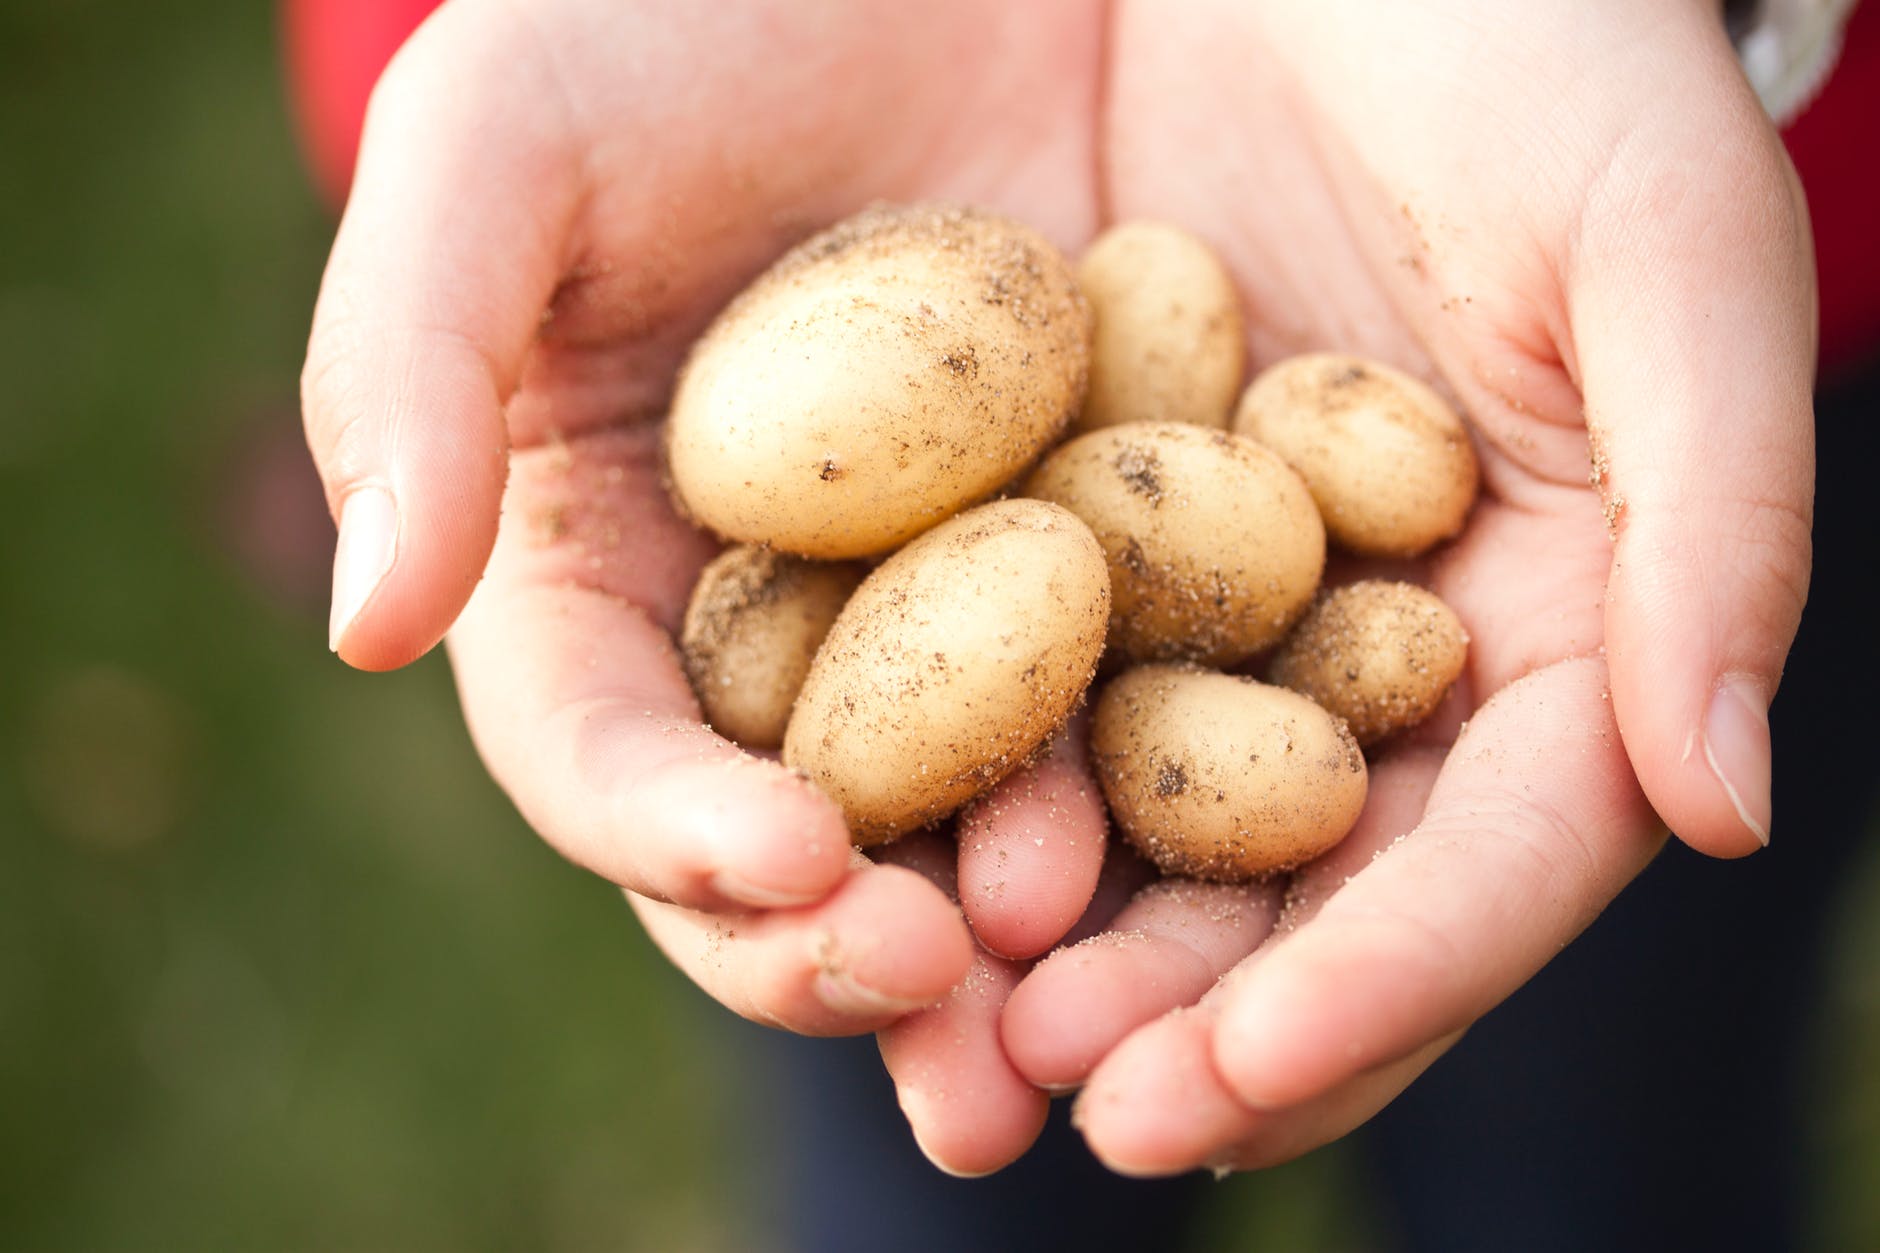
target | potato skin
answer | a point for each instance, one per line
(880, 377)
(1214, 545)
(755, 620)
(1170, 345)
(1378, 654)
(1219, 777)
(1388, 461)
(952, 665)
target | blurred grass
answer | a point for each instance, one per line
(278, 965)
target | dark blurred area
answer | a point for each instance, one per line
(279, 966)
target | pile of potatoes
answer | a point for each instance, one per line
(924, 583)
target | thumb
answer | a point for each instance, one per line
(447, 255)
(1691, 305)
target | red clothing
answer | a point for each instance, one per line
(1835, 145)
(336, 49)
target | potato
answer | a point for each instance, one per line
(1169, 344)
(1378, 654)
(1389, 463)
(952, 665)
(880, 377)
(754, 622)
(1219, 777)
(1214, 545)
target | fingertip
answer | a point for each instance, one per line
(1006, 1118)
(1156, 1107)
(1168, 948)
(885, 946)
(773, 841)
(1707, 774)
(1692, 669)
(970, 1113)
(417, 491)
(998, 1139)
(1051, 1048)
(1250, 1054)
(932, 949)
(1031, 853)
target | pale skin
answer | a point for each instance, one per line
(1569, 216)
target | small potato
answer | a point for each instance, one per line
(1218, 777)
(754, 622)
(1378, 654)
(1214, 545)
(1169, 345)
(879, 378)
(1388, 461)
(952, 665)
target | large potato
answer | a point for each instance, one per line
(1218, 777)
(951, 666)
(1169, 344)
(1389, 462)
(753, 624)
(882, 376)
(1214, 545)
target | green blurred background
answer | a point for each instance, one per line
(279, 967)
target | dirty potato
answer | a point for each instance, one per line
(1170, 346)
(1378, 654)
(1213, 543)
(755, 620)
(1219, 777)
(1388, 461)
(952, 665)
(879, 378)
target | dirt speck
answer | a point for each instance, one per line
(1171, 780)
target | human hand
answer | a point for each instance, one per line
(1576, 218)
(551, 201)
(524, 262)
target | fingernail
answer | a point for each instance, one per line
(735, 887)
(1736, 744)
(838, 990)
(368, 541)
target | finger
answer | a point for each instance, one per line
(446, 259)
(1691, 303)
(1534, 824)
(1164, 951)
(575, 698)
(1030, 851)
(970, 1111)
(1156, 1106)
(1176, 939)
(1125, 872)
(886, 942)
